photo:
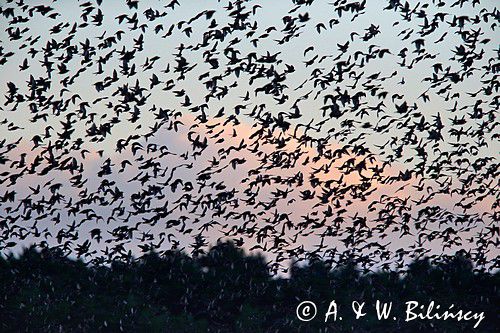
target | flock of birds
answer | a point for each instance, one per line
(341, 129)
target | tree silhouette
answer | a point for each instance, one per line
(226, 290)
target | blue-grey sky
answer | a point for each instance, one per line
(399, 83)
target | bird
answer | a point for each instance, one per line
(330, 130)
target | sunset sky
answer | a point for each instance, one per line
(233, 202)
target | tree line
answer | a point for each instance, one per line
(226, 290)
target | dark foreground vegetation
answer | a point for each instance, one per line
(227, 291)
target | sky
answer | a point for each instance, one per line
(261, 156)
